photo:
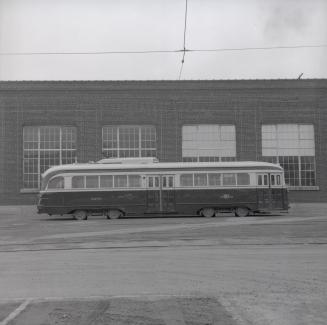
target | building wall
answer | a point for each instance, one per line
(168, 105)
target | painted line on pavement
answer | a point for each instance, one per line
(143, 295)
(16, 312)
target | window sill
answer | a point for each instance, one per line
(29, 190)
(303, 188)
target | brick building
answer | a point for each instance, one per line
(45, 123)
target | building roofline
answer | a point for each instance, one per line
(103, 85)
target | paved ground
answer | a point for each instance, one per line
(254, 270)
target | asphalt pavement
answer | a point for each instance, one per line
(172, 270)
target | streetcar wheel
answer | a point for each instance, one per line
(80, 215)
(241, 212)
(207, 212)
(114, 214)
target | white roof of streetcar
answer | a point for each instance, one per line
(144, 164)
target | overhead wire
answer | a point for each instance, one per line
(90, 52)
(184, 50)
(258, 48)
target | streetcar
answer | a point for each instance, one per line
(125, 187)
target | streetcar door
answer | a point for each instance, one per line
(264, 195)
(168, 193)
(153, 194)
(160, 194)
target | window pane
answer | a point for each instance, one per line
(106, 181)
(57, 182)
(293, 146)
(109, 137)
(134, 181)
(214, 179)
(120, 180)
(208, 159)
(208, 142)
(308, 175)
(50, 137)
(259, 179)
(265, 179)
(200, 179)
(68, 138)
(291, 169)
(243, 179)
(186, 180)
(78, 182)
(272, 180)
(68, 157)
(129, 141)
(228, 159)
(46, 146)
(92, 181)
(278, 180)
(229, 179)
(190, 159)
(49, 159)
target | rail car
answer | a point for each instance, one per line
(127, 187)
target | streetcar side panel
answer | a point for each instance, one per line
(181, 191)
(193, 200)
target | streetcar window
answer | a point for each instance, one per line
(272, 179)
(120, 180)
(153, 181)
(134, 181)
(78, 182)
(92, 181)
(263, 179)
(57, 182)
(200, 180)
(106, 181)
(229, 179)
(243, 179)
(170, 181)
(186, 180)
(214, 179)
(259, 179)
(278, 179)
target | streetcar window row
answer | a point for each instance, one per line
(185, 180)
(214, 179)
(263, 180)
(107, 181)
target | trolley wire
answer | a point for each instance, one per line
(184, 42)
(184, 50)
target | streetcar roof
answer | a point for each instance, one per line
(85, 167)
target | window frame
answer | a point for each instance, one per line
(140, 149)
(220, 140)
(38, 150)
(295, 176)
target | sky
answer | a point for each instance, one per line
(47, 26)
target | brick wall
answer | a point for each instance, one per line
(167, 105)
